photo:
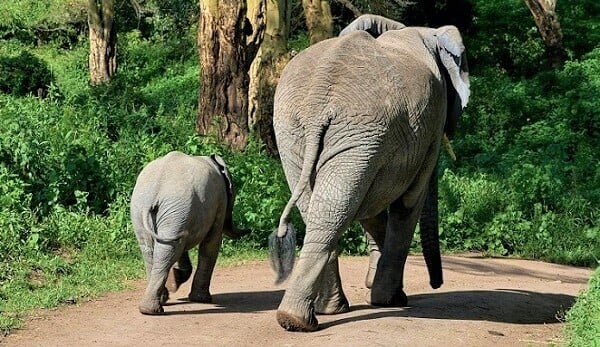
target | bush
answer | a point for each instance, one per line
(24, 74)
(583, 319)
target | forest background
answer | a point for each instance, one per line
(526, 181)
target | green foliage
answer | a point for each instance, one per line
(583, 320)
(509, 41)
(527, 156)
(580, 25)
(33, 21)
(24, 74)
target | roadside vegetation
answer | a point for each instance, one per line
(526, 182)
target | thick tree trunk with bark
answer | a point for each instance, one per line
(318, 19)
(546, 20)
(227, 44)
(103, 41)
(266, 69)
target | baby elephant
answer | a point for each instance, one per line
(180, 201)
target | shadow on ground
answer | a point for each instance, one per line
(240, 302)
(500, 305)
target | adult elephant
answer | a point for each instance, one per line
(359, 121)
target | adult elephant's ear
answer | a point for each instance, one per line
(373, 24)
(453, 57)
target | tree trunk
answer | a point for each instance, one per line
(266, 69)
(227, 44)
(103, 41)
(318, 19)
(549, 28)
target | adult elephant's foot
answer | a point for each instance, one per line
(387, 298)
(163, 296)
(297, 315)
(294, 323)
(152, 307)
(202, 296)
(335, 305)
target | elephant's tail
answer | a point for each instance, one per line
(282, 250)
(282, 242)
(152, 230)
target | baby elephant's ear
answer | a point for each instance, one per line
(453, 57)
(217, 158)
(224, 171)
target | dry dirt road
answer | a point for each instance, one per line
(483, 302)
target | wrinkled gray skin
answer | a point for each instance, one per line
(359, 121)
(178, 202)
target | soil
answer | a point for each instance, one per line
(483, 302)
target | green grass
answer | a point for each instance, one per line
(583, 320)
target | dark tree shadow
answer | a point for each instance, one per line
(238, 302)
(501, 305)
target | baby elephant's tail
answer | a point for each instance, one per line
(152, 230)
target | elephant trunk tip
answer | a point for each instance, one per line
(282, 251)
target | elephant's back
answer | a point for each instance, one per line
(357, 78)
(175, 176)
(185, 192)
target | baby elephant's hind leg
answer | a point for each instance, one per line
(207, 258)
(156, 294)
(179, 273)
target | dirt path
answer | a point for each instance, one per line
(483, 302)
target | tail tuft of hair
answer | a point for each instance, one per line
(283, 252)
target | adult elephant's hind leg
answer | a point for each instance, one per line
(331, 298)
(337, 194)
(387, 289)
(374, 229)
(296, 311)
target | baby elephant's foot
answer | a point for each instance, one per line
(200, 296)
